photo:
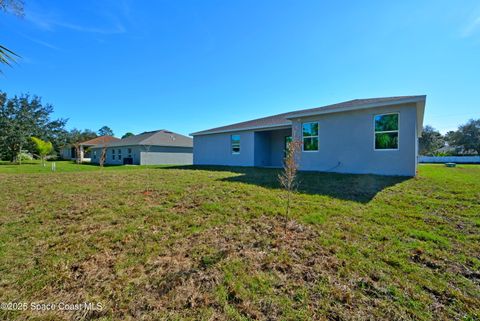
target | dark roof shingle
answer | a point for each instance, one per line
(284, 119)
(155, 138)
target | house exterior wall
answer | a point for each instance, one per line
(262, 148)
(215, 149)
(346, 143)
(109, 160)
(66, 153)
(166, 156)
(156, 155)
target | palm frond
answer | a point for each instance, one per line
(7, 57)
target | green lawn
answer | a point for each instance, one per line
(191, 243)
(61, 166)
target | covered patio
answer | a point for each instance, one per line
(270, 145)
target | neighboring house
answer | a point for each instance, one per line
(148, 148)
(69, 151)
(447, 150)
(374, 136)
(454, 150)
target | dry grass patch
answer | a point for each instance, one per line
(209, 244)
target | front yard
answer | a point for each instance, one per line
(210, 243)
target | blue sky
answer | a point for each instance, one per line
(193, 65)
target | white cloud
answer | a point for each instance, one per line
(39, 41)
(115, 29)
(471, 28)
(44, 43)
(51, 22)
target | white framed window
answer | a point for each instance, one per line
(310, 137)
(113, 153)
(235, 144)
(94, 154)
(386, 131)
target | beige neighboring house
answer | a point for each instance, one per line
(69, 152)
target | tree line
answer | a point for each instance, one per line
(26, 127)
(461, 142)
(25, 116)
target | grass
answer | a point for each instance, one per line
(61, 166)
(186, 243)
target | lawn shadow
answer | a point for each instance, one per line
(360, 188)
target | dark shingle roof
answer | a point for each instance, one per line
(284, 119)
(155, 138)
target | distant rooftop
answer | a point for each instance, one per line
(160, 137)
(100, 140)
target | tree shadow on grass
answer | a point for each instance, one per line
(360, 188)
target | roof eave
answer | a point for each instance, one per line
(419, 100)
(139, 145)
(420, 115)
(365, 106)
(208, 132)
